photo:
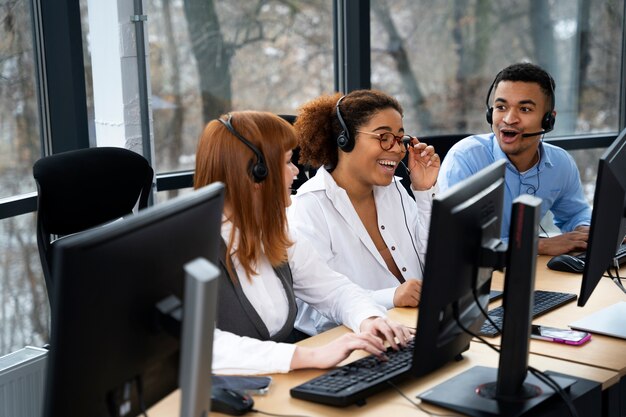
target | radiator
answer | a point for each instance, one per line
(22, 377)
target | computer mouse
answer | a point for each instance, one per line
(566, 263)
(231, 402)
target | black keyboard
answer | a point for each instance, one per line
(352, 383)
(620, 255)
(544, 301)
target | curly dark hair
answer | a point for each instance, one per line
(318, 127)
(527, 72)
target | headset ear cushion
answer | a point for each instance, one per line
(259, 171)
(342, 141)
(547, 123)
(489, 115)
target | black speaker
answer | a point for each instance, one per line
(344, 141)
(258, 169)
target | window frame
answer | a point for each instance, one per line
(62, 92)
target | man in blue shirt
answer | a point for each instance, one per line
(522, 112)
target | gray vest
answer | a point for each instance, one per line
(235, 314)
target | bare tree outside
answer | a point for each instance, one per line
(439, 58)
(24, 316)
(262, 55)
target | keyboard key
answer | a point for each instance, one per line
(358, 380)
(544, 301)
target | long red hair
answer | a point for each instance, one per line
(260, 220)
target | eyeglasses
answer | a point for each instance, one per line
(388, 139)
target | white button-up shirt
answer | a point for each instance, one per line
(322, 213)
(314, 282)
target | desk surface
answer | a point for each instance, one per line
(602, 351)
(388, 402)
(602, 359)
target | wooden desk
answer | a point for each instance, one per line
(602, 351)
(388, 402)
(603, 359)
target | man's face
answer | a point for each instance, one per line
(518, 108)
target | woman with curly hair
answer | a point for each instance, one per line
(360, 219)
(264, 267)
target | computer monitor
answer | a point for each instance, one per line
(109, 347)
(608, 220)
(464, 248)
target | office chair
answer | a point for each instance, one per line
(80, 189)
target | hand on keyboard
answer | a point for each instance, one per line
(564, 243)
(339, 349)
(387, 330)
(374, 332)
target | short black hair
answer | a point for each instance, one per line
(527, 72)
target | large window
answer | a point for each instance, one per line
(19, 133)
(24, 311)
(208, 57)
(439, 59)
(24, 317)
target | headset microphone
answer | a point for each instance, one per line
(543, 132)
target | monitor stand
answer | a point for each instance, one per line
(473, 393)
(510, 389)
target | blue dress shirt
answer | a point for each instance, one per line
(555, 179)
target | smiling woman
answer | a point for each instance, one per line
(356, 214)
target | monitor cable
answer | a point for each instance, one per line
(544, 231)
(546, 379)
(254, 410)
(616, 278)
(417, 405)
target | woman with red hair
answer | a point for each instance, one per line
(265, 267)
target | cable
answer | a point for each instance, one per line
(418, 405)
(254, 410)
(530, 188)
(546, 379)
(406, 224)
(616, 279)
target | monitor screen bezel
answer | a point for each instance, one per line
(465, 219)
(106, 334)
(608, 219)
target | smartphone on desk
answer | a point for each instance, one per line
(251, 385)
(552, 334)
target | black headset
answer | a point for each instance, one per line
(258, 169)
(344, 141)
(548, 120)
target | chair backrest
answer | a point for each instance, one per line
(442, 144)
(80, 189)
